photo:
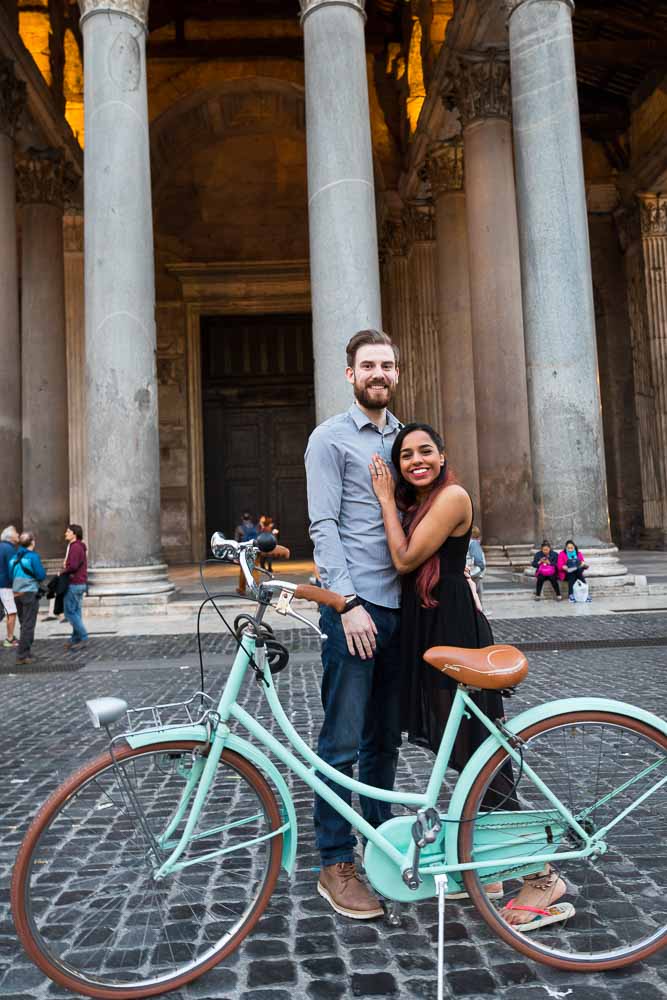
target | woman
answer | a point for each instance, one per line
(571, 566)
(544, 562)
(438, 608)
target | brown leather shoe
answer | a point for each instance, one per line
(342, 888)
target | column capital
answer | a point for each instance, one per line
(419, 223)
(310, 6)
(480, 86)
(12, 98)
(138, 9)
(393, 238)
(43, 177)
(444, 167)
(511, 5)
(652, 214)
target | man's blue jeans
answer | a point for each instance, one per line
(361, 700)
(73, 605)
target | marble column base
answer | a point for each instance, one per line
(130, 585)
(652, 540)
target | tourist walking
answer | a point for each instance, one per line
(428, 548)
(545, 562)
(571, 565)
(27, 573)
(76, 568)
(265, 525)
(476, 561)
(8, 542)
(361, 655)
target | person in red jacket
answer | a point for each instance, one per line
(76, 567)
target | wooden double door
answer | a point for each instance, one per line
(257, 380)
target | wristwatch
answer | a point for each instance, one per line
(351, 601)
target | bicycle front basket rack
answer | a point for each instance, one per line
(171, 715)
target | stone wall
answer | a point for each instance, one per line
(174, 437)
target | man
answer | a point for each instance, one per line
(8, 542)
(27, 573)
(76, 566)
(361, 658)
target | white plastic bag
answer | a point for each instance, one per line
(580, 591)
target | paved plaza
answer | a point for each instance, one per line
(300, 948)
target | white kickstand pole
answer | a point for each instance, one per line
(441, 885)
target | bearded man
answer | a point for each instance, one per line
(360, 658)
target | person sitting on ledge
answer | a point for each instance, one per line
(571, 566)
(545, 563)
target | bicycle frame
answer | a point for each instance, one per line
(201, 777)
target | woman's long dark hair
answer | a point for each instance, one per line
(428, 574)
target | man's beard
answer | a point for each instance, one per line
(371, 401)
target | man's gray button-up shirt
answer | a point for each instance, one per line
(346, 525)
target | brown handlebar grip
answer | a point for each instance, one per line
(320, 596)
(280, 552)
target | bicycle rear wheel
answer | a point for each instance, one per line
(87, 908)
(598, 764)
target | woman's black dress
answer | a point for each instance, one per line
(427, 693)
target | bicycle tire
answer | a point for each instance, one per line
(591, 916)
(24, 890)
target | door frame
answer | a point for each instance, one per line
(232, 288)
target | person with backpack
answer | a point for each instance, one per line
(27, 573)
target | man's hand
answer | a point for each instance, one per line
(360, 632)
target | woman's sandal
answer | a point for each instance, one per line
(545, 882)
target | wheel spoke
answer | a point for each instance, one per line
(599, 767)
(88, 889)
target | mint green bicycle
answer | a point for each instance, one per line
(152, 863)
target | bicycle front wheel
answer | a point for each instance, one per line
(87, 906)
(599, 765)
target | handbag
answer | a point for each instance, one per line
(545, 569)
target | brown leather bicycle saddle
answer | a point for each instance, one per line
(491, 668)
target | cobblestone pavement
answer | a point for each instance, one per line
(300, 948)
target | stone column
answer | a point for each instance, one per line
(12, 102)
(344, 264)
(482, 93)
(42, 181)
(457, 383)
(75, 335)
(419, 222)
(123, 459)
(559, 320)
(643, 233)
(396, 281)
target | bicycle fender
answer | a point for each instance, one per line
(528, 718)
(243, 749)
(257, 757)
(148, 736)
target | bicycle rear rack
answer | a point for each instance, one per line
(170, 715)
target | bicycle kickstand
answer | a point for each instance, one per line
(393, 912)
(441, 885)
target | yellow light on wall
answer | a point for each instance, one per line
(34, 29)
(415, 72)
(73, 86)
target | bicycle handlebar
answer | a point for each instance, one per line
(319, 595)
